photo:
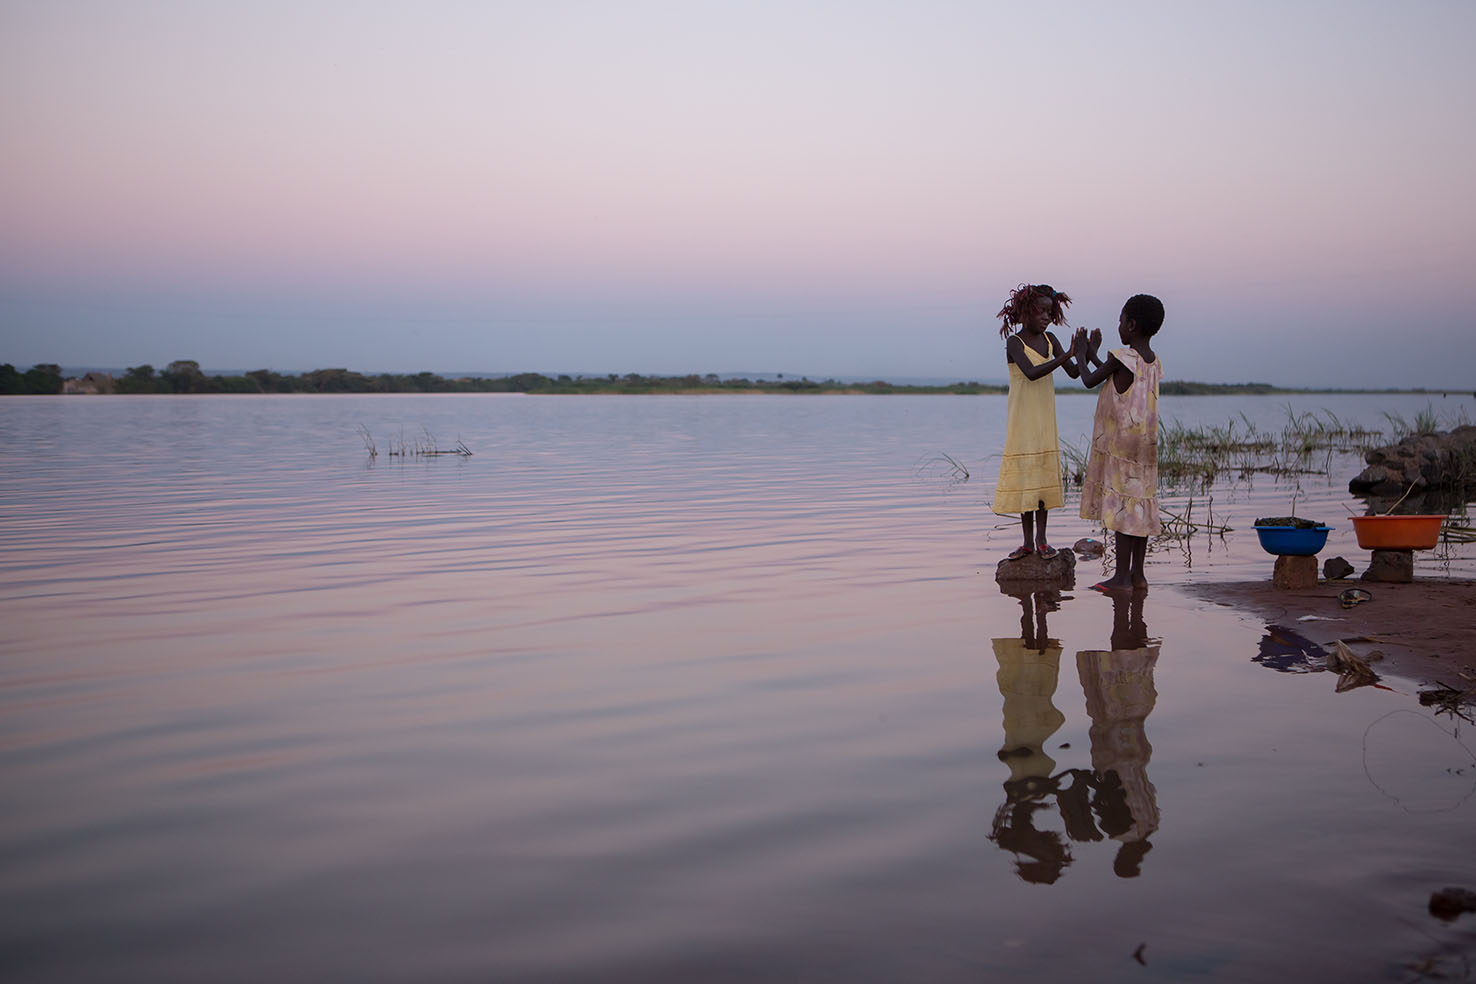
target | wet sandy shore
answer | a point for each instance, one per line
(1426, 629)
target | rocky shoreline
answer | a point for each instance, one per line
(1419, 464)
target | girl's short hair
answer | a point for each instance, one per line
(1147, 311)
(1022, 297)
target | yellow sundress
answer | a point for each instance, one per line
(1121, 483)
(1030, 471)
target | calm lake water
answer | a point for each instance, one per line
(673, 688)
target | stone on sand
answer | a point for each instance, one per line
(1392, 566)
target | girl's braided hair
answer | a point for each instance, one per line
(1021, 300)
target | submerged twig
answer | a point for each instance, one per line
(414, 448)
(1449, 700)
(944, 466)
(1459, 534)
(1400, 499)
(1181, 525)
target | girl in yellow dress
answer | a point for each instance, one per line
(1030, 470)
(1121, 484)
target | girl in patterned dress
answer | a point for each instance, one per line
(1121, 485)
(1030, 470)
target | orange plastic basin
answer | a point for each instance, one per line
(1397, 532)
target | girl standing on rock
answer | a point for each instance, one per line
(1030, 470)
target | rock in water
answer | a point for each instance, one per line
(1059, 570)
(1419, 462)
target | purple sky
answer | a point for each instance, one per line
(821, 188)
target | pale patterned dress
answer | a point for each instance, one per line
(1030, 470)
(1121, 484)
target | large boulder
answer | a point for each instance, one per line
(1420, 462)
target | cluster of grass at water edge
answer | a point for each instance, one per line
(1426, 421)
(1193, 458)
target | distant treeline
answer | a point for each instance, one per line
(43, 378)
(1215, 389)
(185, 376)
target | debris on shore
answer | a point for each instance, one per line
(1449, 903)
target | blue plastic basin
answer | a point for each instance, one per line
(1292, 541)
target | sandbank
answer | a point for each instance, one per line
(1425, 628)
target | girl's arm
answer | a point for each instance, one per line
(1068, 356)
(1015, 352)
(1088, 363)
(1086, 351)
(1122, 376)
(1092, 343)
(1086, 348)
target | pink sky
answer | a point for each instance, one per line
(673, 186)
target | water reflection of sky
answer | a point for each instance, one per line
(714, 690)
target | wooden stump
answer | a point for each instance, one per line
(1392, 566)
(1294, 573)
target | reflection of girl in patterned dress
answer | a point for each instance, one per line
(1119, 697)
(1121, 485)
(1120, 694)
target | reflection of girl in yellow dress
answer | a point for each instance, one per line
(1029, 667)
(1027, 681)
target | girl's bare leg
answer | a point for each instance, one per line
(1140, 552)
(1033, 524)
(1124, 547)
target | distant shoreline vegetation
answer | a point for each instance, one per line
(185, 376)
